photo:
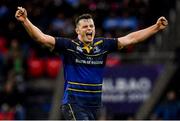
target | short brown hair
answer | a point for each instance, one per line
(83, 16)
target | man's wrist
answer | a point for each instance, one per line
(157, 27)
(22, 22)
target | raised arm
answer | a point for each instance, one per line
(143, 34)
(33, 31)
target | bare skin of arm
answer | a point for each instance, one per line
(33, 31)
(49, 41)
(141, 35)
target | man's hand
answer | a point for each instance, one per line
(162, 23)
(21, 14)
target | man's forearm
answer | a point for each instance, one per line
(33, 31)
(143, 34)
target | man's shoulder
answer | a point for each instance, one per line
(104, 40)
(63, 40)
(99, 38)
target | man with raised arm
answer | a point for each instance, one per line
(84, 59)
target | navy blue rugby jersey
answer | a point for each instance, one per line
(83, 68)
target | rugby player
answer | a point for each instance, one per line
(84, 59)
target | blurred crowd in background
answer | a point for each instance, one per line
(23, 61)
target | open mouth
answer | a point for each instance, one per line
(89, 35)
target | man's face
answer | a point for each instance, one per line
(86, 30)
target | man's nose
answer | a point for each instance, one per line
(89, 27)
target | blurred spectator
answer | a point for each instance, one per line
(168, 109)
(3, 46)
(124, 23)
(14, 57)
(58, 23)
(12, 98)
(73, 3)
(3, 10)
(1, 67)
(3, 52)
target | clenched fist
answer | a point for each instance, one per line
(162, 23)
(21, 14)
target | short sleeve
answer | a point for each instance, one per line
(111, 44)
(61, 44)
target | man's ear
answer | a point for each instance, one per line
(77, 30)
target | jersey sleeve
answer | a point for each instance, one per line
(111, 44)
(61, 44)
